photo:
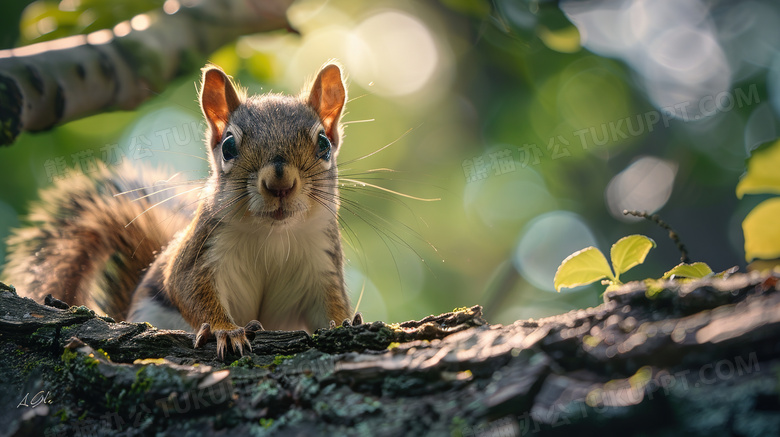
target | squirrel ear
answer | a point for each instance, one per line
(327, 98)
(218, 99)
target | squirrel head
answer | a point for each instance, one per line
(273, 157)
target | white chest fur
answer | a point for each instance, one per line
(273, 275)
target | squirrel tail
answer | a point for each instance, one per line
(90, 237)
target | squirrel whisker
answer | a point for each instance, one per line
(355, 208)
(169, 218)
(178, 184)
(227, 204)
(173, 187)
(397, 193)
(161, 202)
(324, 198)
(376, 151)
(357, 121)
(182, 154)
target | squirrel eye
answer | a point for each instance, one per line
(229, 149)
(323, 143)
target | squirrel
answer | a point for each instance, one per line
(258, 248)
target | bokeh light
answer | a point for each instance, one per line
(394, 52)
(518, 197)
(169, 138)
(591, 106)
(645, 185)
(545, 242)
(672, 46)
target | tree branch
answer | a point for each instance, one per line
(656, 359)
(49, 83)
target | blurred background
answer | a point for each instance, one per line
(535, 123)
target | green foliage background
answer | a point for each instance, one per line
(508, 75)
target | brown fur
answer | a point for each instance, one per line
(78, 233)
(78, 246)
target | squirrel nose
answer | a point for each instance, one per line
(277, 179)
(279, 187)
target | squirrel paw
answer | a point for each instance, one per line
(54, 302)
(237, 338)
(357, 320)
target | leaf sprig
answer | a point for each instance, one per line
(590, 265)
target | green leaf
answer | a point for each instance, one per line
(762, 234)
(581, 268)
(728, 272)
(566, 40)
(629, 251)
(696, 270)
(762, 172)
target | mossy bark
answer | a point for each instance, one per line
(656, 359)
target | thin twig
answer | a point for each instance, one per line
(655, 218)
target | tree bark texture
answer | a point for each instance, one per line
(45, 84)
(660, 358)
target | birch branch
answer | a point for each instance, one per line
(46, 84)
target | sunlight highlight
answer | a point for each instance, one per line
(673, 46)
(395, 51)
(645, 185)
(545, 241)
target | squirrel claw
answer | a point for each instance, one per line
(357, 320)
(252, 328)
(332, 324)
(203, 335)
(236, 337)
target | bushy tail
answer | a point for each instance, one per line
(90, 237)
